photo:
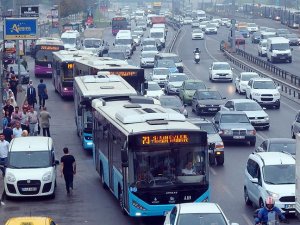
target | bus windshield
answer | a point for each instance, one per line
(43, 55)
(169, 166)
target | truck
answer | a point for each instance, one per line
(158, 19)
(297, 193)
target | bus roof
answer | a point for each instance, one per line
(102, 85)
(138, 118)
(97, 62)
(49, 41)
(70, 55)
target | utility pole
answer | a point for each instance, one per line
(233, 21)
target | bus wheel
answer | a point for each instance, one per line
(102, 178)
(121, 202)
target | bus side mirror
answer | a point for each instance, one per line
(124, 158)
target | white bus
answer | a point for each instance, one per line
(141, 152)
(89, 87)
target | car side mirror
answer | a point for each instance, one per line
(254, 180)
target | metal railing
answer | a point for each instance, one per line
(177, 27)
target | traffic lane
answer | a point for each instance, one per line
(231, 176)
(89, 203)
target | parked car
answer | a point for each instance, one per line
(215, 143)
(278, 145)
(235, 127)
(257, 116)
(295, 129)
(173, 102)
(207, 102)
(188, 89)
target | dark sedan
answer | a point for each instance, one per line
(173, 102)
(206, 102)
(255, 38)
(235, 127)
(278, 145)
(293, 39)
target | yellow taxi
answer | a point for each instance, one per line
(30, 221)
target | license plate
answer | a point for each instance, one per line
(29, 189)
(289, 206)
(282, 57)
(212, 109)
(238, 137)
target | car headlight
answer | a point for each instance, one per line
(267, 118)
(274, 195)
(251, 132)
(10, 177)
(226, 132)
(255, 94)
(277, 94)
(47, 176)
(201, 105)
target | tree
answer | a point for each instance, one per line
(68, 7)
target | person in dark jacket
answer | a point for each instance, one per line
(31, 94)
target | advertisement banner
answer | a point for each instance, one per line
(20, 28)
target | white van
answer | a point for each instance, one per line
(124, 40)
(278, 49)
(31, 167)
(159, 34)
(162, 26)
(71, 39)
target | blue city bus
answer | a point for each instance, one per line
(148, 156)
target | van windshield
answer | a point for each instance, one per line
(282, 46)
(29, 159)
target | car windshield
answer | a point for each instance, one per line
(194, 85)
(175, 78)
(263, 85)
(270, 30)
(149, 42)
(208, 127)
(234, 118)
(149, 48)
(263, 44)
(134, 36)
(209, 25)
(92, 43)
(283, 147)
(157, 34)
(153, 87)
(247, 106)
(169, 166)
(71, 41)
(248, 76)
(283, 46)
(282, 31)
(221, 66)
(204, 95)
(173, 58)
(171, 102)
(166, 63)
(291, 36)
(256, 34)
(148, 54)
(252, 25)
(161, 71)
(30, 159)
(201, 219)
(197, 31)
(279, 174)
(123, 41)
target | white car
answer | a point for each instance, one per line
(195, 24)
(216, 22)
(255, 113)
(270, 174)
(174, 82)
(197, 34)
(252, 27)
(159, 75)
(187, 20)
(262, 48)
(211, 29)
(147, 59)
(220, 71)
(224, 21)
(264, 91)
(154, 90)
(195, 213)
(242, 80)
(202, 25)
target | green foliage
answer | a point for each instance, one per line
(68, 7)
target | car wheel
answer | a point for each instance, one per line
(267, 127)
(250, 96)
(246, 197)
(293, 134)
(220, 160)
(198, 111)
(252, 143)
(102, 178)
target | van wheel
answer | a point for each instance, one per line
(102, 178)
(246, 197)
(252, 143)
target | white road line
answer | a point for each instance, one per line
(247, 219)
(228, 191)
(213, 171)
(206, 49)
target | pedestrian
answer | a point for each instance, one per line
(32, 121)
(68, 169)
(9, 108)
(6, 91)
(3, 153)
(17, 131)
(12, 99)
(31, 94)
(16, 116)
(44, 121)
(13, 83)
(5, 119)
(24, 121)
(26, 106)
(42, 93)
(8, 133)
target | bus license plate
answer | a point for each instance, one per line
(289, 206)
(238, 137)
(29, 189)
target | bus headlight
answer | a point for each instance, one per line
(138, 206)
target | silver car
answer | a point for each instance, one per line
(174, 82)
(147, 59)
(296, 125)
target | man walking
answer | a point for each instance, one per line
(45, 121)
(3, 153)
(8, 132)
(32, 120)
(42, 93)
(13, 83)
(31, 94)
(17, 131)
(68, 169)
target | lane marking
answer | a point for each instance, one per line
(213, 171)
(225, 188)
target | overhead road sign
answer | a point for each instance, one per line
(20, 28)
(29, 11)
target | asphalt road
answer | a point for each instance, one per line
(90, 204)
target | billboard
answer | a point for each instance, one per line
(29, 11)
(20, 28)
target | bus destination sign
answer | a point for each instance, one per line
(164, 139)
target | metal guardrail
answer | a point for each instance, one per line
(289, 88)
(176, 26)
